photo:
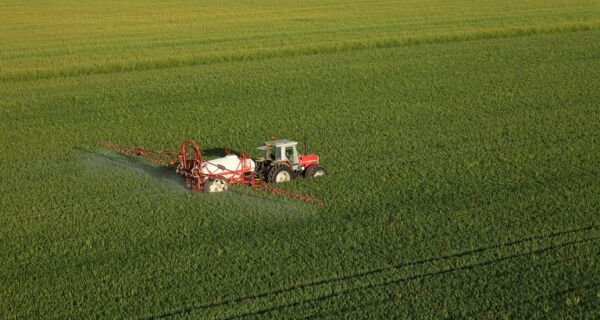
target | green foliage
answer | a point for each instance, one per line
(462, 141)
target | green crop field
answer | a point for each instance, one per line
(462, 140)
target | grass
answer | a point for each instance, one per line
(138, 35)
(462, 140)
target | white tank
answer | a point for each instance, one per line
(230, 162)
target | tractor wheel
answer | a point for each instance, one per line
(315, 171)
(280, 173)
(216, 185)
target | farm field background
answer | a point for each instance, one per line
(462, 140)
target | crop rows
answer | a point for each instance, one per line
(298, 50)
(102, 39)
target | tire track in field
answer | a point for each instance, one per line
(309, 50)
(408, 279)
(497, 274)
(553, 294)
(362, 274)
(571, 289)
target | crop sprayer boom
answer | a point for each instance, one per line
(280, 163)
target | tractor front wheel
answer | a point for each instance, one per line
(280, 173)
(315, 171)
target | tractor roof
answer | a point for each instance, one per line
(280, 143)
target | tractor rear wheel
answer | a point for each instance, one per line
(280, 173)
(315, 171)
(216, 185)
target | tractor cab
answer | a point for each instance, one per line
(281, 162)
(280, 150)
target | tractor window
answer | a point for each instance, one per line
(289, 154)
(278, 153)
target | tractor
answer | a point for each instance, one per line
(280, 162)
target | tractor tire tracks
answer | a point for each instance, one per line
(192, 307)
(555, 262)
(407, 279)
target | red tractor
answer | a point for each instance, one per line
(281, 162)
